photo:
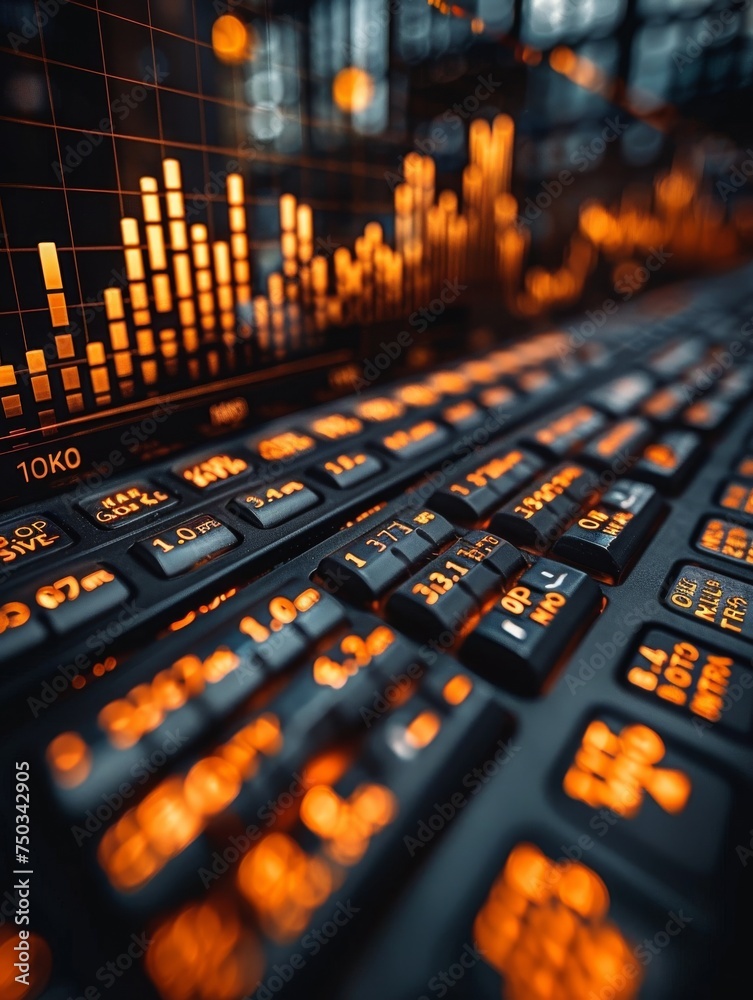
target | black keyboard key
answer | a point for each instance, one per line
(674, 813)
(707, 414)
(127, 505)
(21, 629)
(738, 497)
(370, 565)
(475, 495)
(23, 540)
(537, 516)
(713, 599)
(268, 506)
(82, 595)
(709, 687)
(608, 537)
(565, 435)
(726, 540)
(620, 446)
(283, 447)
(412, 442)
(454, 585)
(336, 426)
(212, 471)
(186, 546)
(676, 357)
(622, 395)
(666, 403)
(518, 643)
(464, 416)
(348, 470)
(668, 462)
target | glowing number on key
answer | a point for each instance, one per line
(431, 596)
(186, 534)
(158, 543)
(360, 563)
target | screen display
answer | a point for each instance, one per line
(230, 205)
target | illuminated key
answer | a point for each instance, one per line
(213, 471)
(268, 506)
(707, 686)
(82, 594)
(185, 547)
(718, 601)
(126, 505)
(25, 539)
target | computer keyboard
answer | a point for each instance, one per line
(442, 690)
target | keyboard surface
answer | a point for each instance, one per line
(442, 690)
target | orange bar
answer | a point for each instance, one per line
(48, 256)
(114, 303)
(171, 173)
(58, 309)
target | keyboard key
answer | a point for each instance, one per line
(413, 442)
(676, 357)
(538, 515)
(21, 629)
(707, 686)
(565, 435)
(370, 565)
(213, 471)
(726, 540)
(454, 585)
(23, 540)
(738, 497)
(532, 919)
(610, 535)
(673, 812)
(282, 447)
(126, 505)
(475, 495)
(707, 414)
(668, 462)
(186, 546)
(79, 596)
(716, 600)
(744, 467)
(666, 403)
(464, 416)
(348, 470)
(268, 506)
(518, 643)
(622, 395)
(618, 447)
(336, 426)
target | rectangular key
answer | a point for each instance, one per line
(726, 540)
(186, 546)
(707, 686)
(126, 505)
(518, 643)
(622, 395)
(618, 447)
(715, 600)
(21, 629)
(369, 566)
(537, 516)
(212, 471)
(668, 462)
(665, 404)
(84, 594)
(348, 470)
(475, 495)
(336, 426)
(413, 442)
(24, 539)
(566, 434)
(610, 535)
(283, 446)
(737, 496)
(707, 414)
(454, 585)
(464, 416)
(268, 506)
